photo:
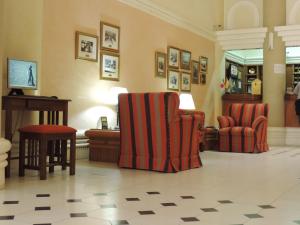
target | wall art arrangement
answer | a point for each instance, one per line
(86, 48)
(180, 69)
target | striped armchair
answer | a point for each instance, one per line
(156, 135)
(244, 129)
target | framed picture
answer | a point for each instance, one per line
(185, 81)
(160, 64)
(86, 46)
(185, 60)
(173, 57)
(203, 64)
(104, 124)
(110, 37)
(173, 80)
(109, 66)
(195, 72)
(203, 78)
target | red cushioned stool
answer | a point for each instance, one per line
(40, 141)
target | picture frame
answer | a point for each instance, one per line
(185, 82)
(104, 124)
(173, 57)
(109, 37)
(185, 60)
(195, 72)
(86, 46)
(109, 66)
(203, 64)
(160, 64)
(173, 80)
(203, 78)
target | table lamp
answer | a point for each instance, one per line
(186, 101)
(114, 95)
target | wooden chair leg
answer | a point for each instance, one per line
(43, 158)
(63, 154)
(51, 156)
(72, 154)
(21, 155)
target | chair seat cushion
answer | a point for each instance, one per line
(48, 129)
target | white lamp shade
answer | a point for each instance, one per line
(186, 101)
(114, 94)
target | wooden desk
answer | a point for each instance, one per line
(33, 103)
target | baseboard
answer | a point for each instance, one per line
(279, 136)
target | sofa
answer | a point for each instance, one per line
(156, 134)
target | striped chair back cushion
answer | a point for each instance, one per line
(245, 114)
(144, 120)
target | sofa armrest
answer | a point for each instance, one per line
(194, 113)
(225, 121)
(259, 123)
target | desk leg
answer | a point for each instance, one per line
(8, 136)
(41, 117)
(65, 116)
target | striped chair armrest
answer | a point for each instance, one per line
(225, 121)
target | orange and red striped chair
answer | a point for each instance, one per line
(156, 135)
(244, 128)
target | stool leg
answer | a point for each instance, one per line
(21, 155)
(72, 154)
(51, 156)
(63, 154)
(43, 158)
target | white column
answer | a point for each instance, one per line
(5, 146)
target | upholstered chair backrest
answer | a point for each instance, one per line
(245, 114)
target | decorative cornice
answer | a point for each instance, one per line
(242, 38)
(290, 34)
(167, 16)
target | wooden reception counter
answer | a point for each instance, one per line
(228, 99)
(291, 119)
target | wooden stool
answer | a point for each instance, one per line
(43, 140)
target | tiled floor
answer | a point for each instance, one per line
(231, 189)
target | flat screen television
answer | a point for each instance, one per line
(21, 74)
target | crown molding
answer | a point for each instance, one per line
(242, 38)
(169, 17)
(290, 34)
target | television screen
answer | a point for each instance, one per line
(21, 74)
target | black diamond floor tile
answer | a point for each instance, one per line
(100, 194)
(108, 206)
(43, 195)
(190, 219)
(169, 204)
(209, 210)
(266, 206)
(132, 199)
(225, 201)
(187, 197)
(74, 200)
(10, 202)
(253, 216)
(42, 224)
(153, 193)
(40, 208)
(119, 222)
(10, 217)
(148, 212)
(78, 215)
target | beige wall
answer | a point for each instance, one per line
(141, 36)
(1, 50)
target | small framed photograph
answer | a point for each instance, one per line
(185, 60)
(173, 57)
(203, 64)
(203, 78)
(104, 124)
(86, 46)
(173, 80)
(195, 72)
(109, 66)
(160, 64)
(110, 37)
(185, 81)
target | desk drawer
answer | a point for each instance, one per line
(16, 104)
(45, 105)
